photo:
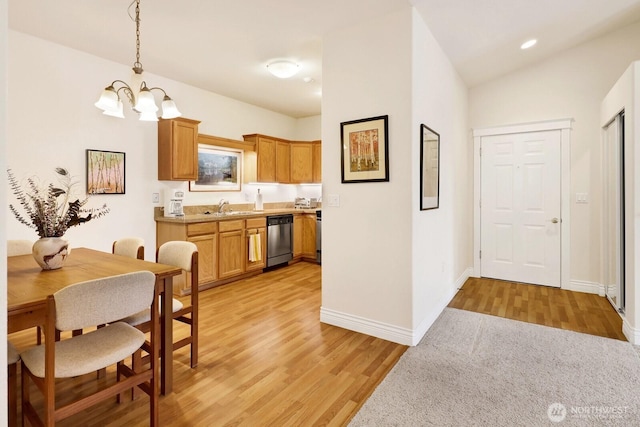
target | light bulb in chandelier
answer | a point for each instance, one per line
(145, 102)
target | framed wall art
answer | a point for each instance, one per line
(219, 169)
(429, 168)
(105, 172)
(365, 150)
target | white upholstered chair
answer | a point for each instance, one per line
(81, 306)
(132, 247)
(184, 255)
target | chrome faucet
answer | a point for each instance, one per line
(221, 205)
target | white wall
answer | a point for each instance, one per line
(366, 252)
(571, 84)
(308, 128)
(442, 238)
(388, 268)
(52, 121)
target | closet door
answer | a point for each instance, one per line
(613, 212)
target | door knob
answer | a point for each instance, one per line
(554, 220)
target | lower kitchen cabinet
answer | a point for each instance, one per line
(256, 226)
(231, 247)
(207, 257)
(205, 237)
(304, 236)
(223, 247)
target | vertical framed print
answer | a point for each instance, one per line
(429, 168)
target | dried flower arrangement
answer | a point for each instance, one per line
(49, 210)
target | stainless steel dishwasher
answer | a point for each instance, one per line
(279, 239)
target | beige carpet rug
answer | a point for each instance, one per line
(472, 369)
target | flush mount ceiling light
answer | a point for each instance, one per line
(283, 69)
(528, 44)
(138, 94)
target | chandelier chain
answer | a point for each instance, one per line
(137, 65)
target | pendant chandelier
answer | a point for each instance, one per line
(138, 94)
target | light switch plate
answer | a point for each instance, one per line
(155, 198)
(333, 200)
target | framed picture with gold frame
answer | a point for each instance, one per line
(219, 169)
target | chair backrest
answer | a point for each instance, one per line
(101, 301)
(177, 253)
(132, 247)
(19, 247)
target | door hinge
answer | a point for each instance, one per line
(480, 151)
(480, 254)
(480, 202)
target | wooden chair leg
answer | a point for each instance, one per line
(136, 366)
(12, 399)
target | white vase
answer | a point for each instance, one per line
(50, 252)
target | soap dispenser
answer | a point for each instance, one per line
(259, 201)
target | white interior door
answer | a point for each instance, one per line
(520, 207)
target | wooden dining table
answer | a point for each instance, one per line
(28, 287)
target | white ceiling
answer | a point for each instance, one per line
(224, 46)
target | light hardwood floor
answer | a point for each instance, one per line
(265, 360)
(543, 305)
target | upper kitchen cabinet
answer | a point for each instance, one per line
(301, 162)
(317, 161)
(282, 161)
(272, 163)
(178, 149)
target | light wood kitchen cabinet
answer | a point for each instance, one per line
(231, 247)
(283, 162)
(298, 232)
(301, 162)
(256, 226)
(266, 151)
(205, 236)
(178, 149)
(309, 236)
(304, 236)
(317, 161)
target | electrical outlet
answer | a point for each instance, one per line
(333, 200)
(155, 197)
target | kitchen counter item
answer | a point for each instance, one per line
(259, 205)
(302, 203)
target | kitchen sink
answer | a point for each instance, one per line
(231, 213)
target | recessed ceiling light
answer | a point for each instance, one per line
(528, 44)
(283, 69)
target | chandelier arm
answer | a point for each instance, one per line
(127, 90)
(160, 89)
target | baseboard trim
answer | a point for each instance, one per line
(632, 334)
(426, 323)
(363, 325)
(385, 331)
(587, 287)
